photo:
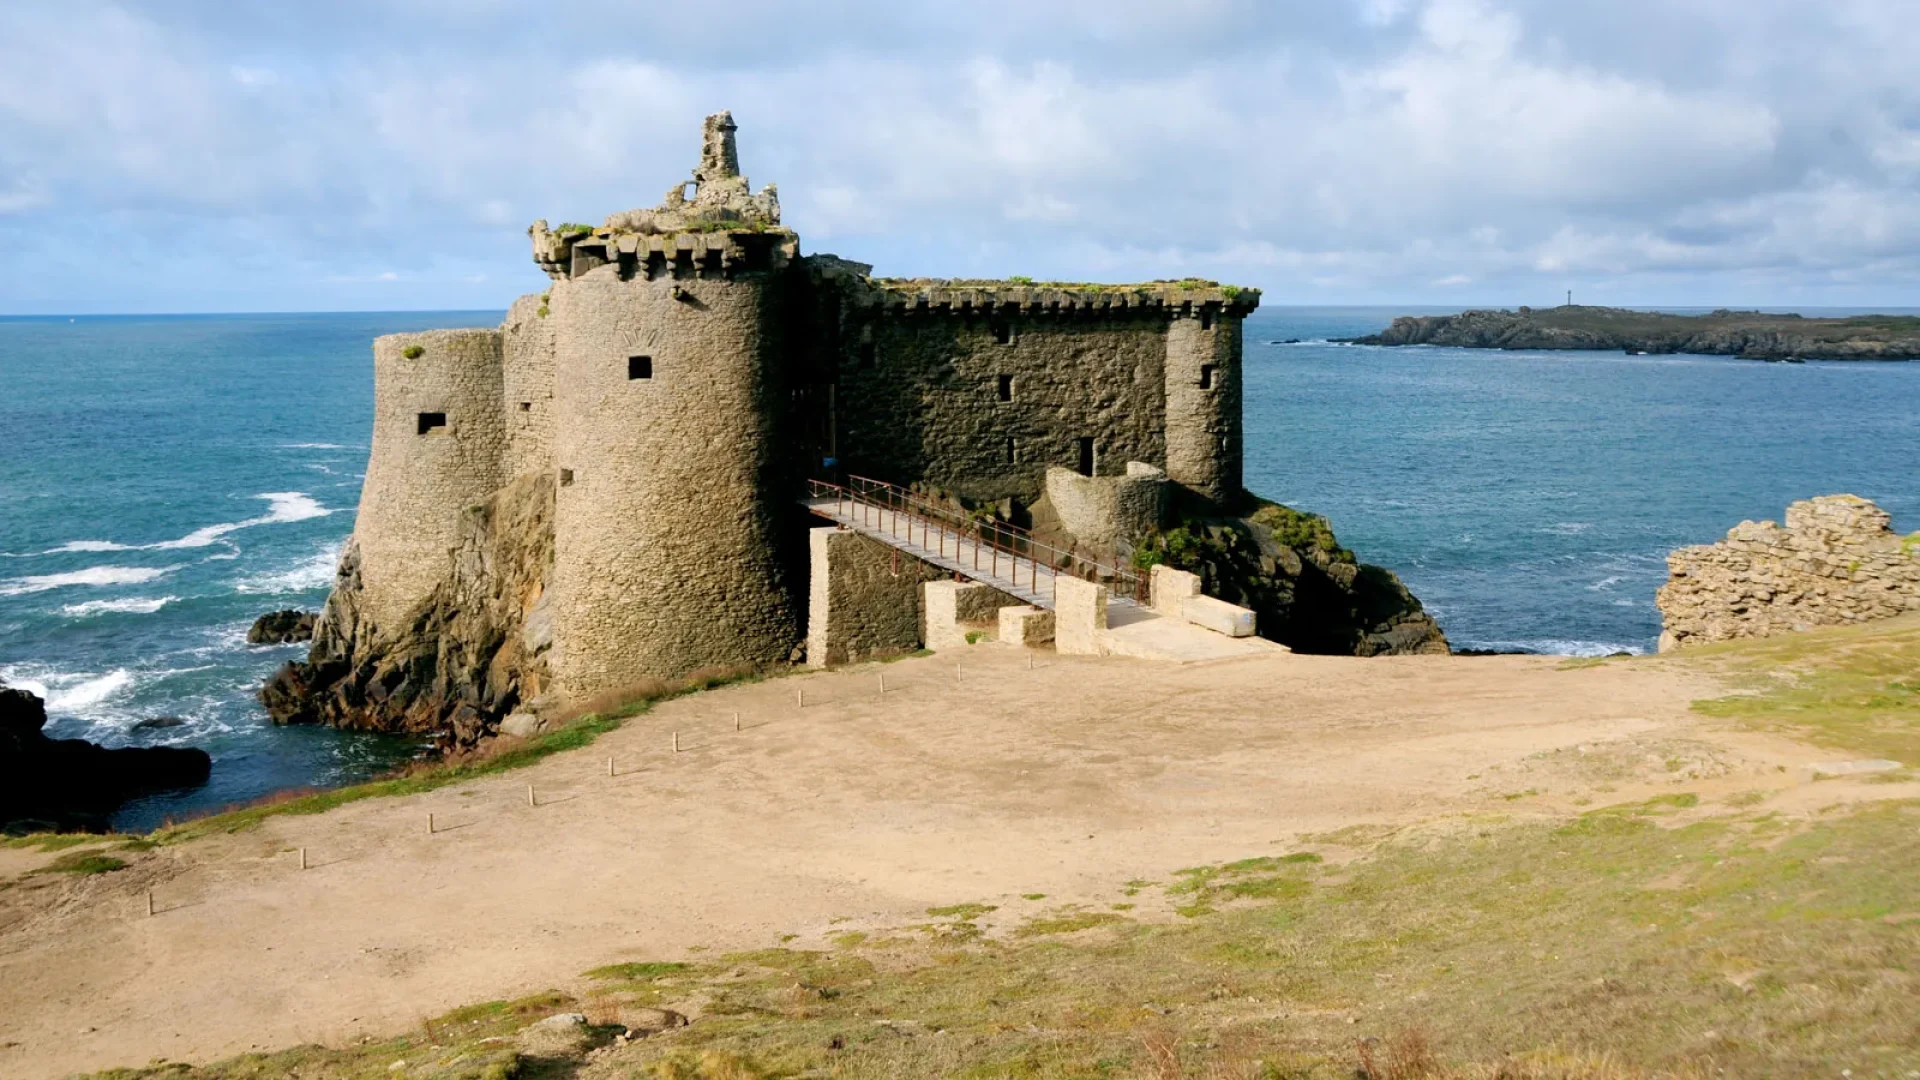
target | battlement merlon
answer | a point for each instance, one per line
(959, 296)
(726, 249)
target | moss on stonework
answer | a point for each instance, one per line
(1299, 529)
(413, 352)
(572, 228)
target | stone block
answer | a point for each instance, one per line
(956, 608)
(1170, 588)
(863, 598)
(1217, 615)
(1024, 624)
(1079, 617)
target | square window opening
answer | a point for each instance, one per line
(639, 367)
(1006, 388)
(431, 420)
(869, 356)
(1003, 332)
(526, 406)
(566, 477)
(1207, 376)
(1206, 318)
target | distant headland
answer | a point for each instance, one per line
(1748, 334)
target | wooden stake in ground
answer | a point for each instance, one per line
(149, 903)
(303, 858)
(530, 801)
(676, 742)
(429, 823)
(800, 699)
(883, 684)
(609, 764)
(736, 719)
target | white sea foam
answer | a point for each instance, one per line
(89, 692)
(93, 575)
(315, 571)
(283, 506)
(1568, 528)
(1555, 647)
(314, 446)
(1605, 583)
(130, 607)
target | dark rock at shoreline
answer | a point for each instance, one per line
(72, 784)
(1306, 591)
(455, 666)
(1746, 334)
(159, 723)
(281, 628)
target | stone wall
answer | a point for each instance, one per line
(439, 443)
(863, 598)
(526, 349)
(1837, 561)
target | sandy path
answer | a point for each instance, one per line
(1066, 780)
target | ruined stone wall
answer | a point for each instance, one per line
(1837, 561)
(526, 349)
(671, 480)
(1105, 512)
(439, 447)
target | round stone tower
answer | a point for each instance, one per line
(1203, 401)
(438, 445)
(668, 385)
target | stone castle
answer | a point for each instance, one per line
(606, 487)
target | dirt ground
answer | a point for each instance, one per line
(975, 780)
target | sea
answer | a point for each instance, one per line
(166, 479)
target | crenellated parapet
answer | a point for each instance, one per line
(1189, 297)
(572, 252)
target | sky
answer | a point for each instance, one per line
(193, 155)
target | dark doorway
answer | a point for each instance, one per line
(1086, 455)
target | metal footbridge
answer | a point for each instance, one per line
(992, 552)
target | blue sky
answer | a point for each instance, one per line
(190, 155)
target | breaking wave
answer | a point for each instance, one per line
(283, 506)
(314, 572)
(130, 607)
(93, 575)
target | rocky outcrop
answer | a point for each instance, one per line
(67, 784)
(462, 660)
(1837, 561)
(281, 628)
(1307, 592)
(1723, 333)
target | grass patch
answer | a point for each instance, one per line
(597, 717)
(54, 841)
(83, 863)
(961, 911)
(413, 352)
(1066, 922)
(638, 972)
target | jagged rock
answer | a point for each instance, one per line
(159, 723)
(1307, 592)
(457, 664)
(74, 784)
(281, 627)
(522, 725)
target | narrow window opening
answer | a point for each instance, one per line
(1206, 376)
(526, 406)
(1003, 332)
(639, 367)
(1011, 457)
(431, 420)
(566, 477)
(869, 356)
(1086, 455)
(1206, 318)
(1006, 388)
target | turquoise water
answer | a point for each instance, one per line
(165, 480)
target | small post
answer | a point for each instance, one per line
(883, 684)
(736, 719)
(530, 800)
(149, 903)
(1029, 660)
(676, 742)
(609, 764)
(956, 673)
(303, 858)
(800, 699)
(429, 823)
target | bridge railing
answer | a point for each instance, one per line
(999, 549)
